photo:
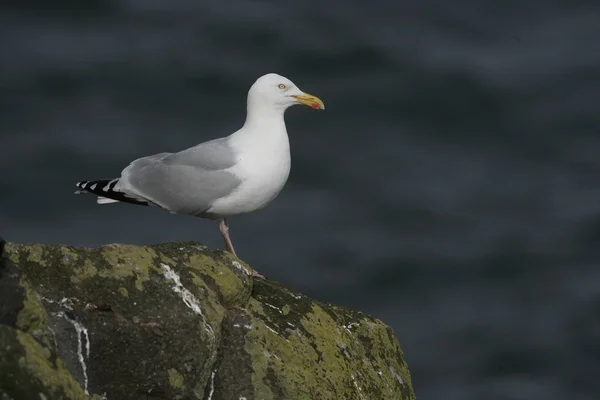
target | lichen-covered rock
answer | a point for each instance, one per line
(179, 321)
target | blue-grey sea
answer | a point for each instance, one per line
(451, 187)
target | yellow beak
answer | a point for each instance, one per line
(311, 101)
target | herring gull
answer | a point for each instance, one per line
(222, 177)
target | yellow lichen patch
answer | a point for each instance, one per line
(176, 379)
(86, 272)
(385, 354)
(211, 304)
(55, 377)
(166, 260)
(123, 292)
(318, 358)
(363, 346)
(32, 318)
(230, 287)
(35, 253)
(129, 261)
(31, 252)
(13, 250)
(68, 255)
(287, 365)
(256, 307)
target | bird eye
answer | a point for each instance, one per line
(281, 86)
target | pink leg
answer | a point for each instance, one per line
(224, 228)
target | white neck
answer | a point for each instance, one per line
(258, 113)
(262, 119)
(264, 126)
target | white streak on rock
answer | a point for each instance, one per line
(241, 267)
(350, 326)
(212, 384)
(81, 332)
(188, 298)
(360, 394)
(272, 306)
(53, 337)
(271, 329)
(395, 375)
(65, 302)
(344, 348)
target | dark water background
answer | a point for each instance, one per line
(451, 188)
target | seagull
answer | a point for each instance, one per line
(223, 177)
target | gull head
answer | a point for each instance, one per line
(278, 92)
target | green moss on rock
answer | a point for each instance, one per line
(298, 348)
(53, 376)
(175, 378)
(127, 261)
(27, 370)
(87, 271)
(32, 317)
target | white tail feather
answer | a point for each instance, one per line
(105, 200)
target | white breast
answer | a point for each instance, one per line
(263, 167)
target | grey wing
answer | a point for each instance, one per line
(187, 182)
(213, 155)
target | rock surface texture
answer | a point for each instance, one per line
(179, 321)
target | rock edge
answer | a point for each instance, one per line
(179, 321)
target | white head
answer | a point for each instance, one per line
(278, 93)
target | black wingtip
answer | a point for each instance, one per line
(106, 188)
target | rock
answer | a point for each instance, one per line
(179, 321)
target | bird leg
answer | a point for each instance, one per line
(258, 275)
(224, 228)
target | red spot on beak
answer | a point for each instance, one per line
(315, 105)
